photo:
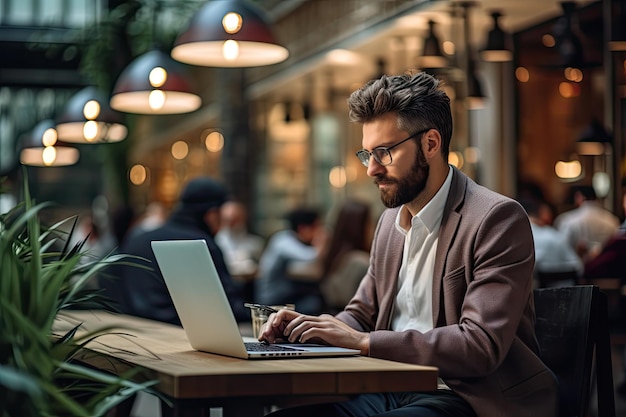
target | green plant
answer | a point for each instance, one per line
(40, 275)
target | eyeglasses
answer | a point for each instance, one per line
(381, 154)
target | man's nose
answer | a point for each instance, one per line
(374, 167)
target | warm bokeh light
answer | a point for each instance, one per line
(573, 74)
(230, 50)
(138, 174)
(337, 176)
(548, 40)
(90, 130)
(156, 99)
(157, 76)
(91, 109)
(214, 141)
(180, 149)
(568, 170)
(232, 22)
(49, 155)
(456, 158)
(342, 57)
(49, 137)
(522, 74)
(569, 90)
(590, 148)
(448, 47)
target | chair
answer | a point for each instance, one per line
(572, 331)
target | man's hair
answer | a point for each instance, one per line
(416, 99)
(587, 192)
(302, 216)
(530, 204)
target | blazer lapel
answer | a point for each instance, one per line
(449, 226)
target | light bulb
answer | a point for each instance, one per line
(230, 50)
(49, 155)
(91, 109)
(157, 76)
(90, 130)
(232, 22)
(156, 100)
(49, 137)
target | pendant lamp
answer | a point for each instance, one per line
(87, 118)
(498, 47)
(228, 33)
(593, 139)
(154, 84)
(432, 56)
(475, 96)
(40, 147)
(568, 42)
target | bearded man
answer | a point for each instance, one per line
(450, 276)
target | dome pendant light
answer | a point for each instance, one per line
(40, 147)
(228, 33)
(432, 56)
(154, 84)
(88, 118)
(498, 47)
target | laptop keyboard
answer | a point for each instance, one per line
(264, 347)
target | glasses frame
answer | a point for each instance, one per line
(365, 156)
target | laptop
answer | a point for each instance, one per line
(204, 310)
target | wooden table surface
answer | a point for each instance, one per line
(164, 354)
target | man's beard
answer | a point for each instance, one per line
(408, 188)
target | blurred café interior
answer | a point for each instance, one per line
(538, 90)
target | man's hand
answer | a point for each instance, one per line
(298, 328)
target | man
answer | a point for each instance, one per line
(450, 276)
(242, 249)
(552, 252)
(588, 226)
(290, 253)
(141, 290)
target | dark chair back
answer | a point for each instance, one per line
(571, 325)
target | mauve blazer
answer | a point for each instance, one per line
(483, 341)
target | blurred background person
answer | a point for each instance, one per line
(588, 226)
(152, 217)
(553, 255)
(140, 289)
(242, 249)
(347, 257)
(288, 253)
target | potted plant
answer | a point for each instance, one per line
(40, 275)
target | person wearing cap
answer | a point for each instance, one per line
(142, 291)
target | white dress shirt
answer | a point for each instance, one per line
(414, 307)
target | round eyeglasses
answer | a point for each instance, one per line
(381, 154)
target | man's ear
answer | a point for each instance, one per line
(431, 143)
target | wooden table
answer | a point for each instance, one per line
(196, 381)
